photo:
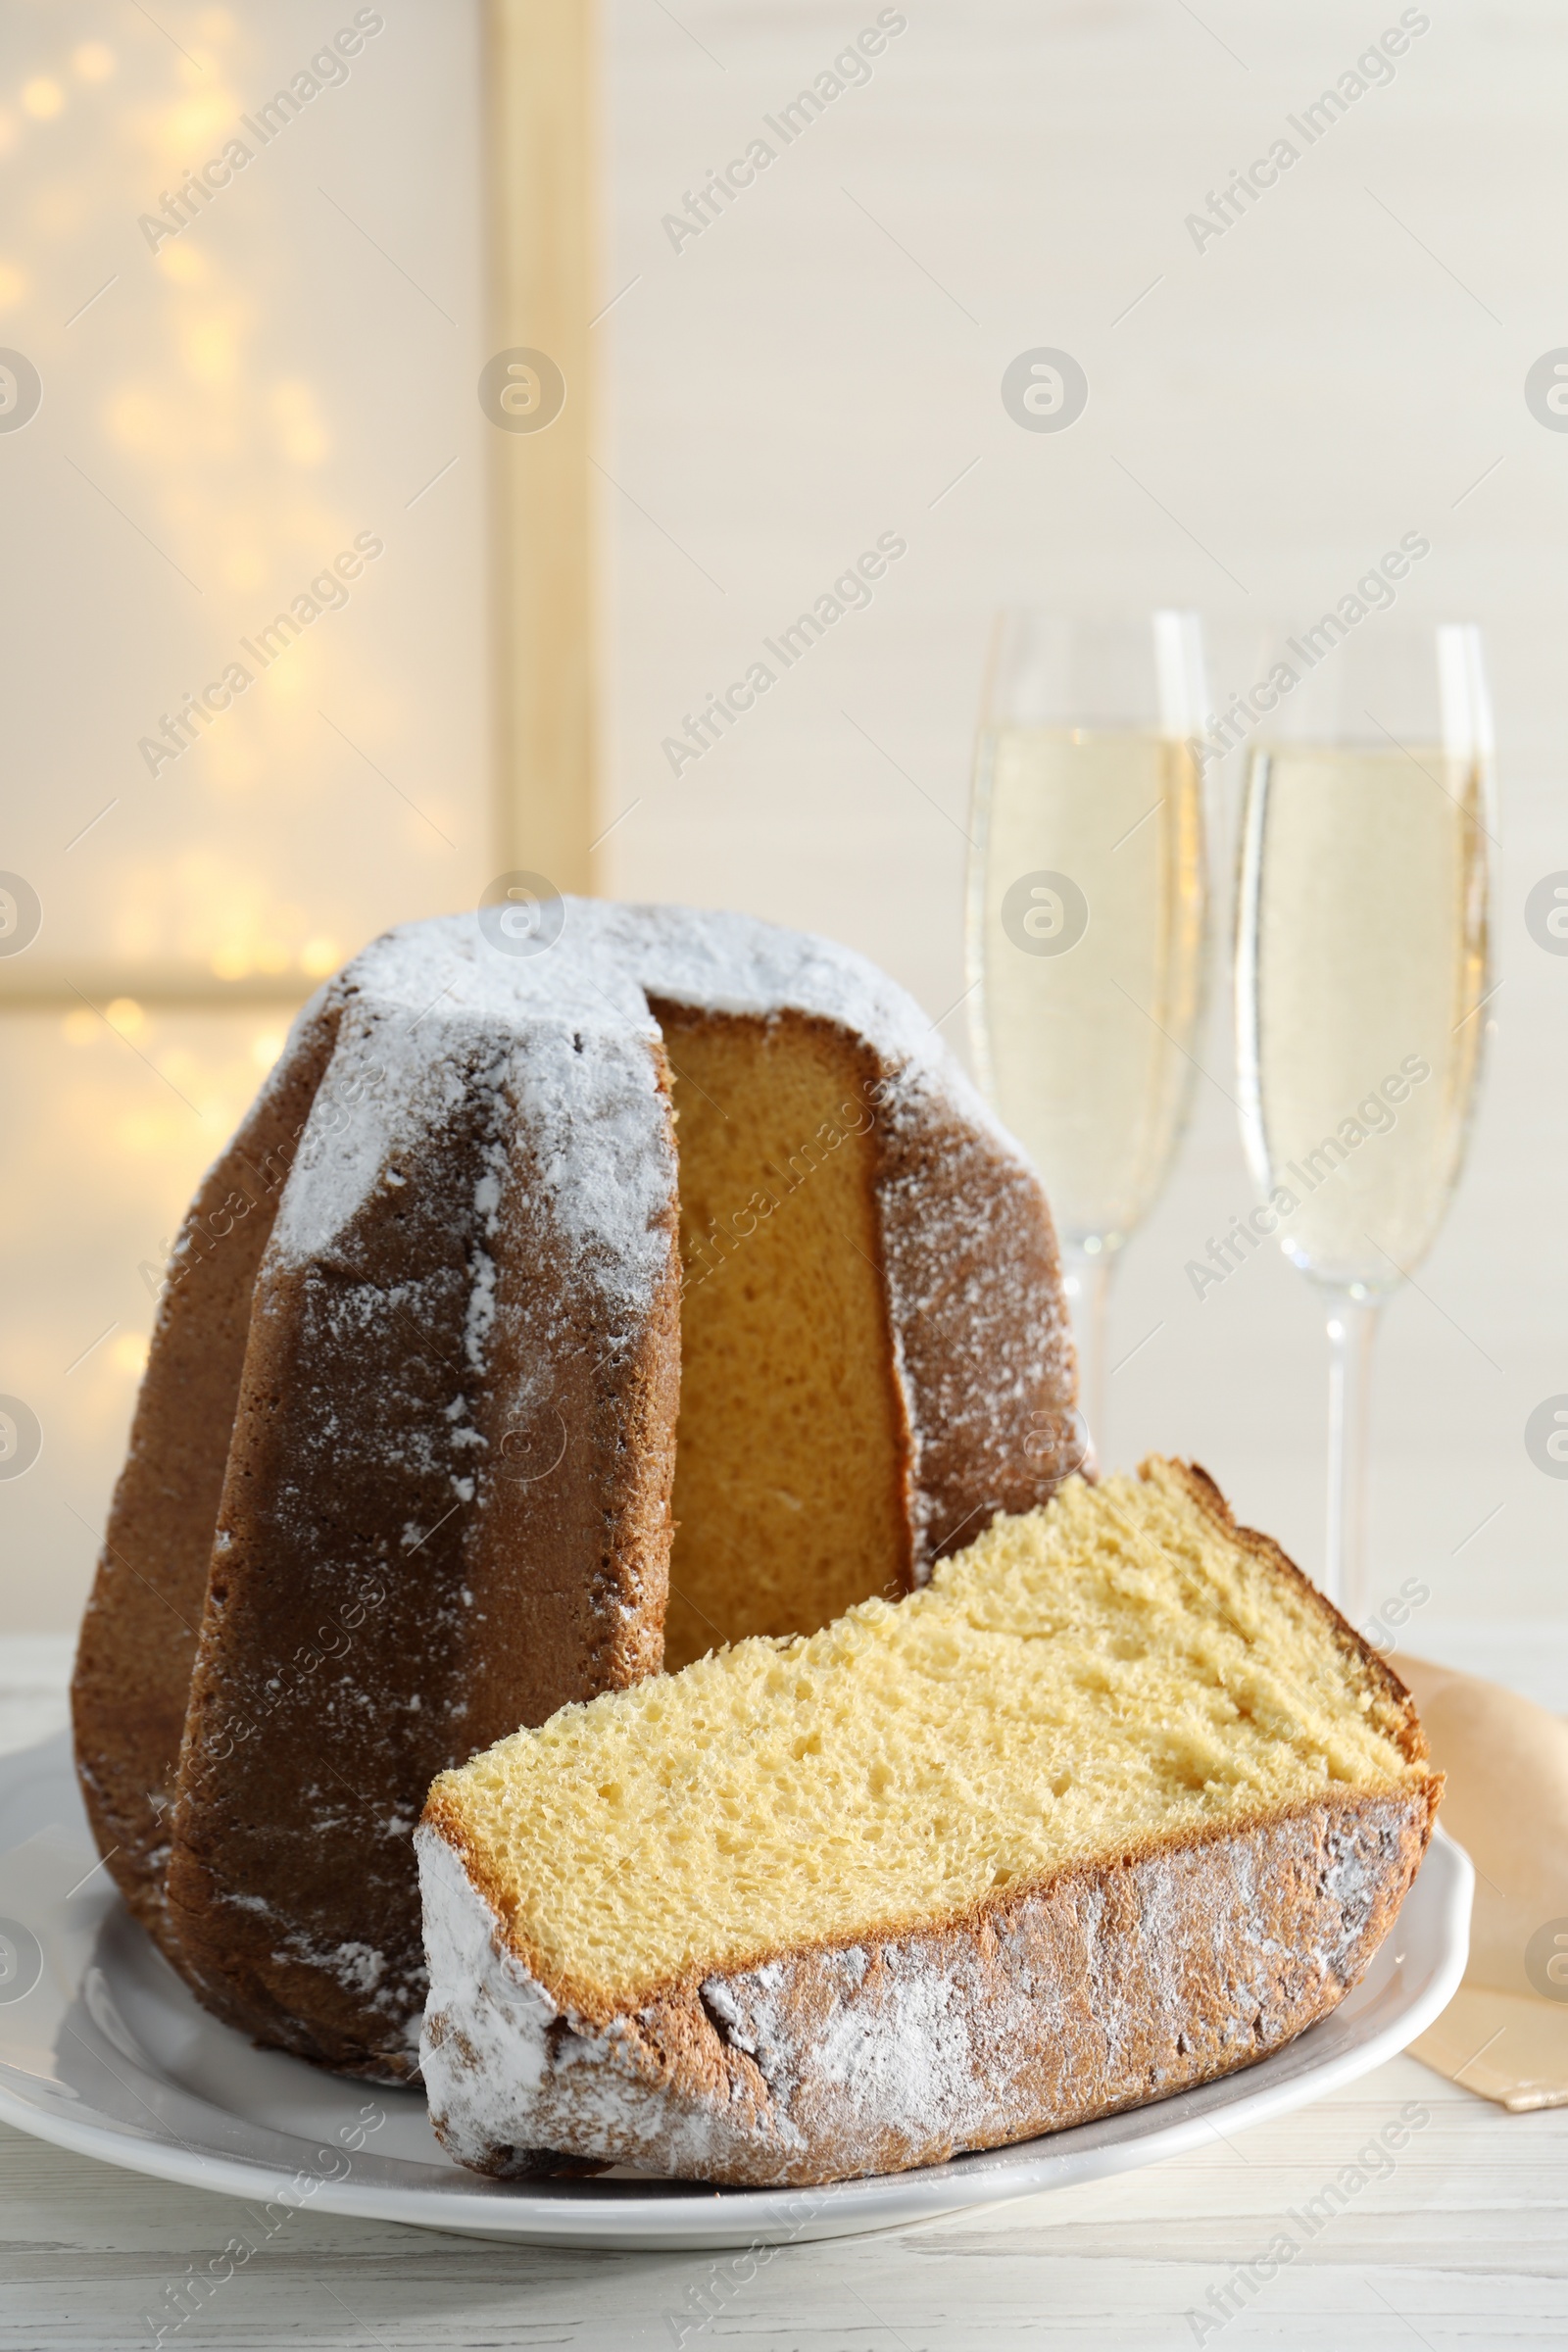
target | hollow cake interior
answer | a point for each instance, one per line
(790, 1450)
(1120, 1669)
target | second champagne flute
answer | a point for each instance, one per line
(1087, 924)
(1361, 973)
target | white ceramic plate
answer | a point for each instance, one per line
(102, 2049)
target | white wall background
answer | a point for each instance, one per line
(1343, 365)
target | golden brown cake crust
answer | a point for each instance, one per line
(1100, 1989)
(138, 1636)
(364, 1627)
(985, 1348)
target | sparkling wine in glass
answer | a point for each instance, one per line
(1087, 910)
(1361, 975)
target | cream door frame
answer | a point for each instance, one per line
(541, 154)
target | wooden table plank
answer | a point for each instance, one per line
(1462, 2244)
(1465, 2243)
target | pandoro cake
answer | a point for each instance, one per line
(1117, 1804)
(531, 1247)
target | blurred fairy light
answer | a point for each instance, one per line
(302, 435)
(205, 388)
(224, 451)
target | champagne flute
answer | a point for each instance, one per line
(1361, 970)
(1086, 926)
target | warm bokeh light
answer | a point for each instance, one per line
(210, 347)
(129, 1131)
(186, 265)
(216, 437)
(301, 434)
(209, 380)
(224, 439)
(202, 122)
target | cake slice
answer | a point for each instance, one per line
(1116, 1805)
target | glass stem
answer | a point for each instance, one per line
(1352, 1323)
(1086, 1279)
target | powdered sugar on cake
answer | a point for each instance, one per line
(428, 984)
(572, 1062)
(1104, 1987)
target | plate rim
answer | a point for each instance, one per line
(702, 2216)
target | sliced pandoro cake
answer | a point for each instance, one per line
(1115, 1805)
(500, 1230)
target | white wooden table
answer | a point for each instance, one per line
(1465, 2243)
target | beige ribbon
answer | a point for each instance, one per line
(1505, 2032)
